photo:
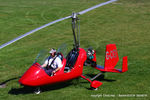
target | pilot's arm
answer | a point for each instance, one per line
(45, 63)
(56, 70)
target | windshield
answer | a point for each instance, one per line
(62, 49)
(44, 54)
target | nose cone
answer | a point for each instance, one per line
(33, 76)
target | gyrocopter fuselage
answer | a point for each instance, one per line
(73, 64)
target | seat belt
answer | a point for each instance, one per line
(51, 62)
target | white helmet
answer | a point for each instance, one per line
(52, 50)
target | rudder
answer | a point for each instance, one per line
(125, 64)
(111, 57)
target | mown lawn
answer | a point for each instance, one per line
(125, 23)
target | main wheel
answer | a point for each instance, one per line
(94, 88)
(37, 90)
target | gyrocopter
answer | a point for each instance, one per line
(73, 64)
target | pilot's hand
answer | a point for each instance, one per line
(54, 72)
(52, 66)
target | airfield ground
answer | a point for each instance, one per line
(125, 23)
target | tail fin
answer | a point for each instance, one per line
(125, 64)
(111, 60)
(111, 57)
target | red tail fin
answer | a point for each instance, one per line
(125, 64)
(111, 57)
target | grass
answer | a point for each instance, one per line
(125, 23)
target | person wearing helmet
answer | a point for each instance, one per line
(90, 57)
(52, 63)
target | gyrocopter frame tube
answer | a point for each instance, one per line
(75, 30)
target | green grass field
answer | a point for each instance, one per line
(125, 23)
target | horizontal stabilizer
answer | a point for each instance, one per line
(99, 66)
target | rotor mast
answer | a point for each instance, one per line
(76, 30)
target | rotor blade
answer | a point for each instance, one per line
(96, 6)
(32, 31)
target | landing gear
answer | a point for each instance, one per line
(37, 90)
(95, 89)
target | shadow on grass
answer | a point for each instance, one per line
(3, 84)
(24, 90)
(101, 78)
(30, 90)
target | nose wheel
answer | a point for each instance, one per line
(37, 90)
(94, 88)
